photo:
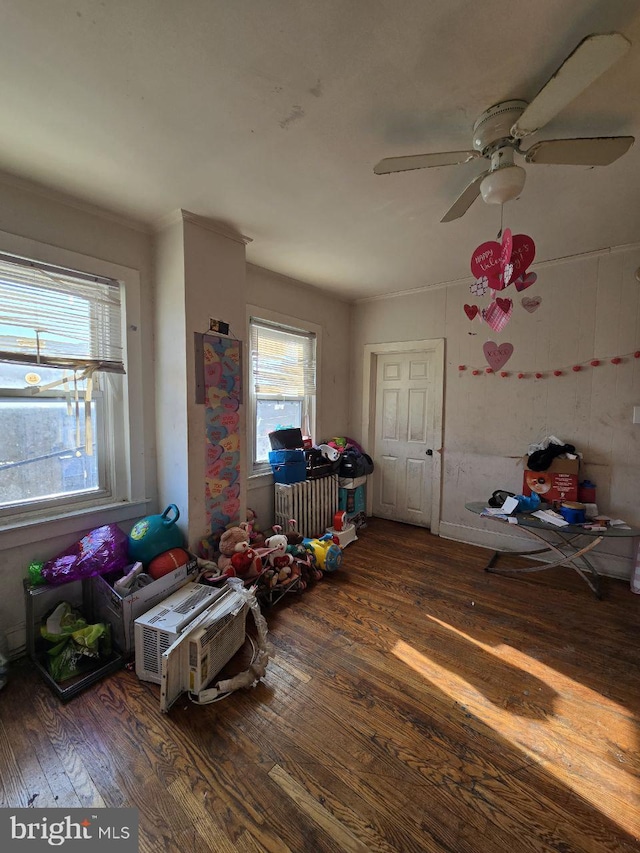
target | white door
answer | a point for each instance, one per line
(404, 436)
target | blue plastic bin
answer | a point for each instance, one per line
(288, 466)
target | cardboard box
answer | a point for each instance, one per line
(558, 483)
(121, 613)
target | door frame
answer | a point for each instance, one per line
(370, 365)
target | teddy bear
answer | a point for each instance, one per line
(233, 540)
(256, 536)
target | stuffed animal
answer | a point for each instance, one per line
(232, 541)
(293, 536)
(255, 534)
(246, 563)
(278, 558)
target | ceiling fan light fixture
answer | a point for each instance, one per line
(503, 184)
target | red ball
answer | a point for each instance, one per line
(488, 370)
(476, 372)
(557, 373)
(521, 376)
(616, 360)
(503, 373)
(576, 367)
(462, 367)
(538, 376)
(167, 562)
(595, 362)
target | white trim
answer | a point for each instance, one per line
(281, 320)
(551, 262)
(182, 215)
(71, 201)
(371, 352)
(129, 484)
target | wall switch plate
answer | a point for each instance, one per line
(636, 415)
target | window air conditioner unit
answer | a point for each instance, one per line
(203, 648)
(161, 626)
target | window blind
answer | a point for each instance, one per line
(283, 360)
(58, 318)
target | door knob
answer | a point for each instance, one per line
(429, 452)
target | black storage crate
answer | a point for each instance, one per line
(39, 602)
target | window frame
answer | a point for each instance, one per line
(123, 422)
(285, 323)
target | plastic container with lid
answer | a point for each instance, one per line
(587, 492)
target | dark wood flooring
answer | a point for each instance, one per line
(415, 703)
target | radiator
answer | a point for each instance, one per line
(313, 504)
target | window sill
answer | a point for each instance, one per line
(259, 481)
(16, 533)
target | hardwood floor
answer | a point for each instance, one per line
(415, 703)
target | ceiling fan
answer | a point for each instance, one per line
(498, 132)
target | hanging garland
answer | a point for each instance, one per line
(494, 353)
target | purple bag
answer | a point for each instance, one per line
(102, 550)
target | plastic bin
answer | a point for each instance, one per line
(288, 466)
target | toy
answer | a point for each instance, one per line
(294, 537)
(256, 536)
(278, 558)
(167, 562)
(328, 555)
(233, 540)
(246, 563)
(155, 534)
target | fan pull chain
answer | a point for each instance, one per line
(501, 215)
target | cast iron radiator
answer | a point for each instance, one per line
(313, 504)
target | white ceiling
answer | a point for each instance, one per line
(268, 115)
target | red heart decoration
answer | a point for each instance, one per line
(522, 254)
(525, 281)
(471, 311)
(497, 356)
(486, 261)
(504, 304)
(497, 317)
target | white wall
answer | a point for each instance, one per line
(590, 309)
(278, 293)
(61, 223)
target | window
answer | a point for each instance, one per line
(61, 366)
(282, 384)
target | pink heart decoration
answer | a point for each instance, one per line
(531, 303)
(506, 247)
(497, 317)
(522, 254)
(471, 311)
(525, 281)
(497, 356)
(486, 261)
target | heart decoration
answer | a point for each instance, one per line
(508, 274)
(525, 281)
(471, 311)
(497, 356)
(522, 254)
(495, 316)
(485, 261)
(531, 303)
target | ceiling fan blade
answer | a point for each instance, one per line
(465, 200)
(423, 161)
(596, 151)
(591, 58)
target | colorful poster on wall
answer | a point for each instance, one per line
(222, 380)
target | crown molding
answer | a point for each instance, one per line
(468, 279)
(181, 215)
(61, 197)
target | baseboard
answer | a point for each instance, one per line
(606, 563)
